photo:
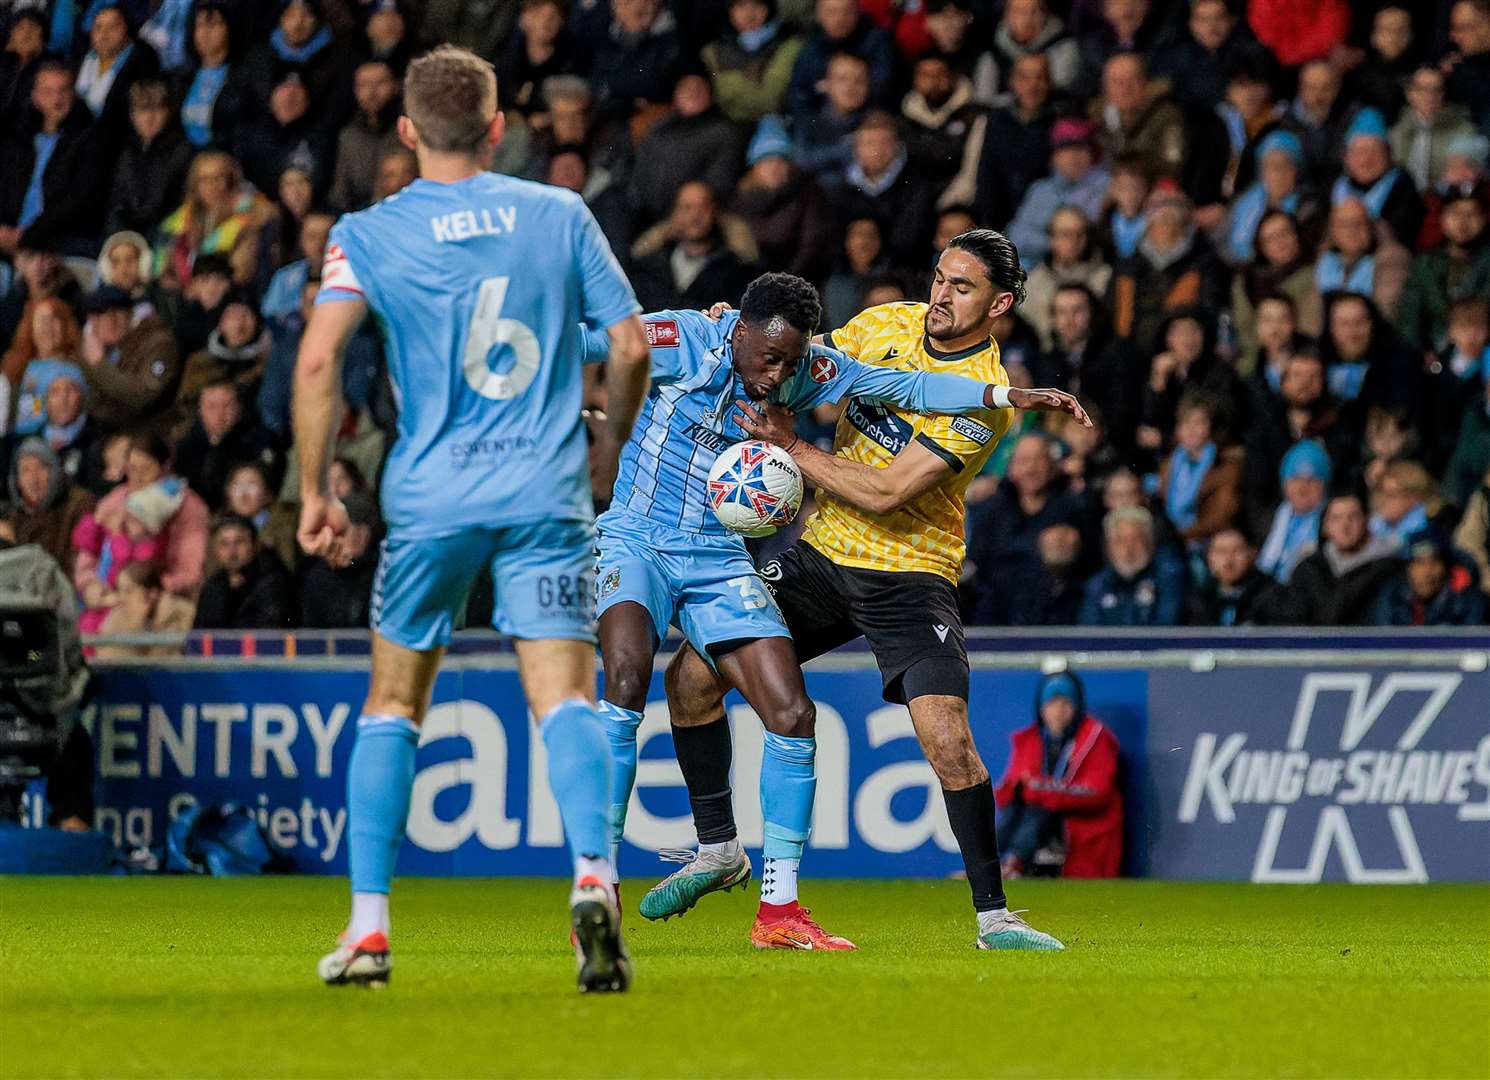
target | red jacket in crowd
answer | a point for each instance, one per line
(1085, 794)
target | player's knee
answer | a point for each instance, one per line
(956, 761)
(795, 719)
(626, 684)
(694, 696)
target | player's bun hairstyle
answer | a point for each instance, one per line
(450, 94)
(786, 295)
(999, 256)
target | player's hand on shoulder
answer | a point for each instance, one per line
(716, 311)
(769, 423)
(1049, 400)
(323, 528)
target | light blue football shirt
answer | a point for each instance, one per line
(484, 289)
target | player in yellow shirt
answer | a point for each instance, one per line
(881, 556)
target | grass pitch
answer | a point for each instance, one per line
(198, 977)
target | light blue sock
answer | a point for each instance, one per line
(380, 780)
(788, 784)
(579, 760)
(620, 729)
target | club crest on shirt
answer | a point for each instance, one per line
(824, 369)
(663, 334)
(608, 584)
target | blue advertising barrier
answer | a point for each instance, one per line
(1363, 773)
(278, 741)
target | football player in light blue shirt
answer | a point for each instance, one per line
(665, 559)
(481, 284)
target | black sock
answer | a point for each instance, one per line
(971, 814)
(705, 754)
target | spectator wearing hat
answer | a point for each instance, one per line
(50, 174)
(880, 183)
(339, 597)
(783, 206)
(1436, 586)
(637, 61)
(1075, 180)
(45, 504)
(71, 433)
(1229, 593)
(106, 543)
(1280, 161)
(1469, 63)
(366, 137)
(1457, 268)
(1028, 28)
(1361, 256)
(221, 215)
(251, 590)
(114, 63)
(211, 86)
(1137, 117)
(541, 47)
(150, 174)
(300, 42)
(1011, 147)
(1427, 127)
(1319, 115)
(25, 48)
(1337, 585)
(1059, 800)
(750, 64)
(126, 262)
(839, 26)
(939, 115)
(1173, 267)
(692, 141)
(35, 390)
(1294, 533)
(1384, 188)
(131, 369)
(287, 134)
(1139, 585)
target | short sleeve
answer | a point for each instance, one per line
(958, 440)
(339, 279)
(607, 296)
(677, 341)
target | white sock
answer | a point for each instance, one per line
(585, 866)
(369, 915)
(728, 849)
(988, 921)
(779, 881)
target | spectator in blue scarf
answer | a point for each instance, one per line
(1404, 502)
(1371, 176)
(302, 43)
(1200, 482)
(1294, 534)
(1280, 161)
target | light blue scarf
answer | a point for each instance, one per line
(753, 41)
(1375, 197)
(1330, 275)
(286, 52)
(1182, 497)
(1396, 535)
(1292, 537)
(1246, 215)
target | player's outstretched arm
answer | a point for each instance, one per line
(915, 470)
(323, 521)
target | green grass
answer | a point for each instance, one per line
(196, 977)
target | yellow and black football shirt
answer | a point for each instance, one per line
(926, 534)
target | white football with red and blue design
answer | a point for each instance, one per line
(755, 488)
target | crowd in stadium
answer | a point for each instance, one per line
(1255, 233)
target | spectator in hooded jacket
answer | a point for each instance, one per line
(45, 504)
(1435, 587)
(1059, 800)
